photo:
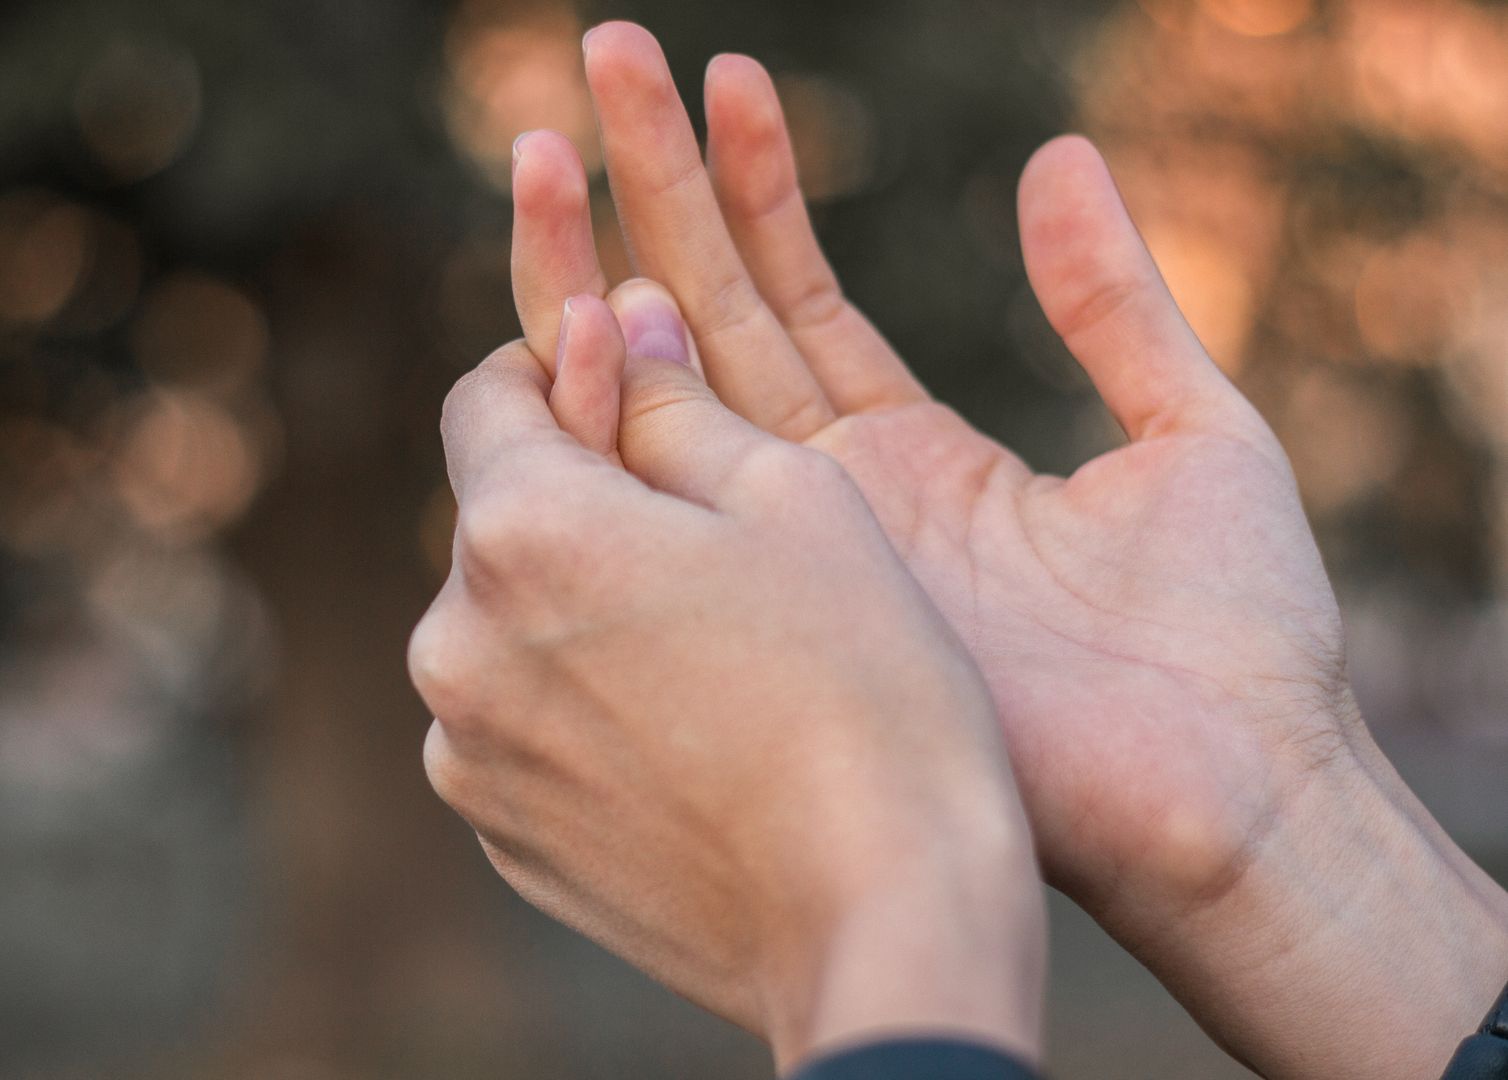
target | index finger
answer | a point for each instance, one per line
(497, 418)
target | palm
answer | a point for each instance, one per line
(1139, 623)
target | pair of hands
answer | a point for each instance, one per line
(694, 691)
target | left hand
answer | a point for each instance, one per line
(1157, 629)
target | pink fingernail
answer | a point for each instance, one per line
(652, 327)
(565, 331)
(518, 147)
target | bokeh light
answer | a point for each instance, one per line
(509, 75)
(137, 107)
(44, 253)
(185, 468)
(1325, 189)
(194, 330)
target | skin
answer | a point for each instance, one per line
(1157, 630)
(827, 856)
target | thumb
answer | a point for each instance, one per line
(674, 433)
(1102, 292)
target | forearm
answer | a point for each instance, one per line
(1358, 942)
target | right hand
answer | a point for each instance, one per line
(699, 710)
(1157, 629)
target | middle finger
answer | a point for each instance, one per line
(677, 235)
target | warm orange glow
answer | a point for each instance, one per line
(44, 251)
(1250, 18)
(1345, 437)
(1207, 279)
(510, 75)
(1259, 18)
(186, 467)
(1169, 14)
(1410, 298)
(1325, 197)
(1431, 71)
(196, 330)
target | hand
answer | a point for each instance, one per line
(1157, 630)
(701, 712)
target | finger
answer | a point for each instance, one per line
(497, 426)
(754, 175)
(675, 434)
(677, 235)
(1103, 294)
(588, 374)
(554, 255)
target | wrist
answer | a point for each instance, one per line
(942, 938)
(1358, 940)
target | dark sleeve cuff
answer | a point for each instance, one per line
(918, 1059)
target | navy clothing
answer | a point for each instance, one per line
(918, 1059)
(1484, 1056)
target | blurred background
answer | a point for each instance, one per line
(245, 249)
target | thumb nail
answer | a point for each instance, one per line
(652, 324)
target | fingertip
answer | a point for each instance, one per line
(748, 149)
(617, 32)
(518, 146)
(1063, 182)
(590, 333)
(736, 71)
(548, 173)
(1071, 149)
(741, 96)
(623, 56)
(589, 372)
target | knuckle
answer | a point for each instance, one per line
(1098, 302)
(535, 570)
(454, 409)
(486, 537)
(780, 468)
(499, 541)
(732, 302)
(432, 667)
(446, 771)
(678, 177)
(651, 395)
(468, 396)
(458, 399)
(802, 415)
(462, 398)
(818, 303)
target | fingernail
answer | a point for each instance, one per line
(652, 326)
(565, 331)
(518, 147)
(586, 40)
